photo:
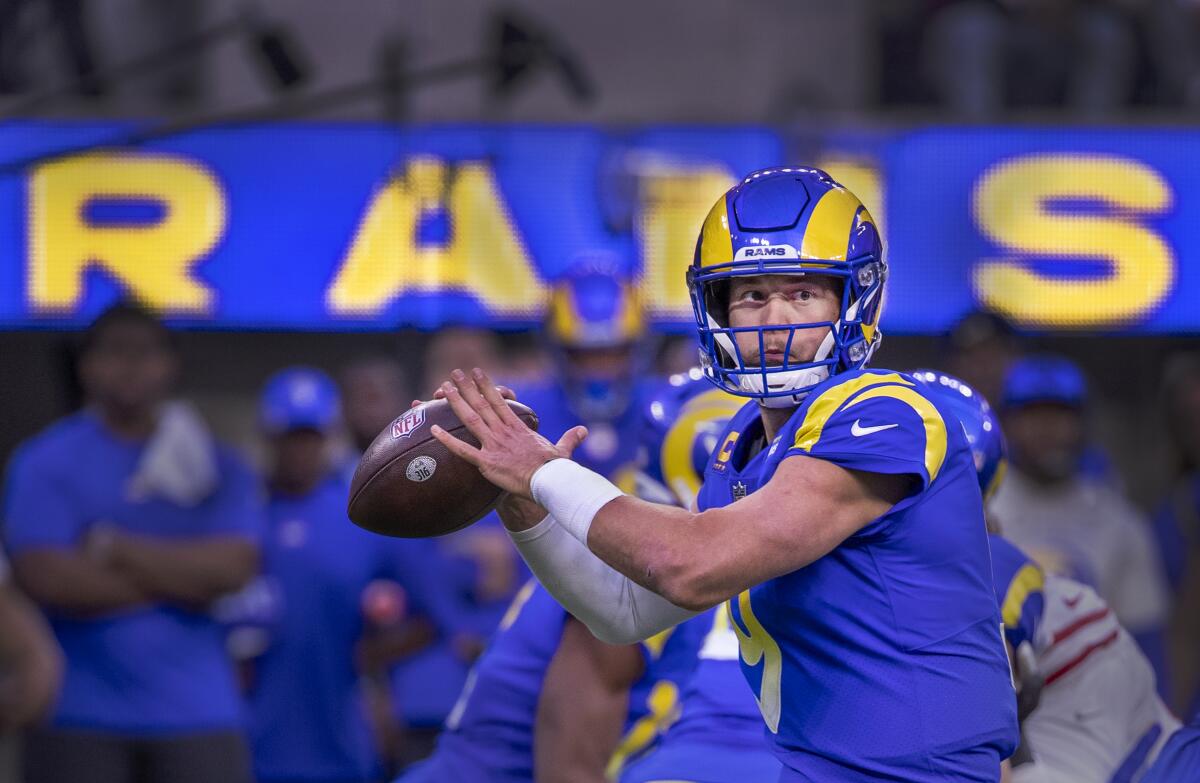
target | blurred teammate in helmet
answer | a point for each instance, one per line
(594, 329)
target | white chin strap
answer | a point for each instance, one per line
(751, 381)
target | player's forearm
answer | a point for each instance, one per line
(692, 560)
(70, 582)
(582, 707)
(615, 609)
(677, 554)
(193, 572)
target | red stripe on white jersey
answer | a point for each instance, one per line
(1078, 659)
(1091, 617)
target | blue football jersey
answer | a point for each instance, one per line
(884, 658)
(1019, 590)
(489, 734)
(718, 735)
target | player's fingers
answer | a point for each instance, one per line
(571, 440)
(466, 414)
(439, 394)
(493, 397)
(506, 392)
(415, 403)
(469, 390)
(457, 447)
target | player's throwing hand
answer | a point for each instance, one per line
(509, 452)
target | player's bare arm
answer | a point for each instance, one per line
(694, 560)
(583, 705)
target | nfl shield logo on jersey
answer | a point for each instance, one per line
(739, 490)
(408, 423)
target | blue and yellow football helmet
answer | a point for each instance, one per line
(787, 221)
(978, 421)
(595, 323)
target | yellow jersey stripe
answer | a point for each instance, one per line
(931, 419)
(663, 703)
(1028, 580)
(831, 400)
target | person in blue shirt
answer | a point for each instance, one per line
(306, 694)
(840, 515)
(124, 522)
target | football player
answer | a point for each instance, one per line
(1095, 695)
(594, 329)
(840, 513)
(717, 736)
(547, 700)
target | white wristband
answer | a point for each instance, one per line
(572, 494)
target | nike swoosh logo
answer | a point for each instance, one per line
(858, 431)
(1070, 602)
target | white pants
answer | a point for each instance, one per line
(1088, 721)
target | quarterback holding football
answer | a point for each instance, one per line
(840, 515)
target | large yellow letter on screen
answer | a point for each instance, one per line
(483, 255)
(1012, 207)
(154, 262)
(674, 202)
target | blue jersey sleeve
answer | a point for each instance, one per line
(1019, 591)
(39, 509)
(877, 423)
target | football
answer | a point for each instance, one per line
(408, 485)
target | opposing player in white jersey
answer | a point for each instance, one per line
(1098, 697)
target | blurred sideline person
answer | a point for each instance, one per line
(1073, 525)
(308, 717)
(982, 345)
(375, 391)
(124, 522)
(718, 734)
(476, 571)
(547, 701)
(1086, 693)
(1177, 529)
(839, 500)
(30, 669)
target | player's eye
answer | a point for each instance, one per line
(749, 295)
(803, 294)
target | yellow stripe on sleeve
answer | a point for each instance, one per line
(1028, 580)
(831, 400)
(931, 419)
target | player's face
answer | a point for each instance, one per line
(782, 300)
(373, 395)
(130, 367)
(1046, 440)
(608, 363)
(299, 459)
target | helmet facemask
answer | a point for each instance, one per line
(784, 383)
